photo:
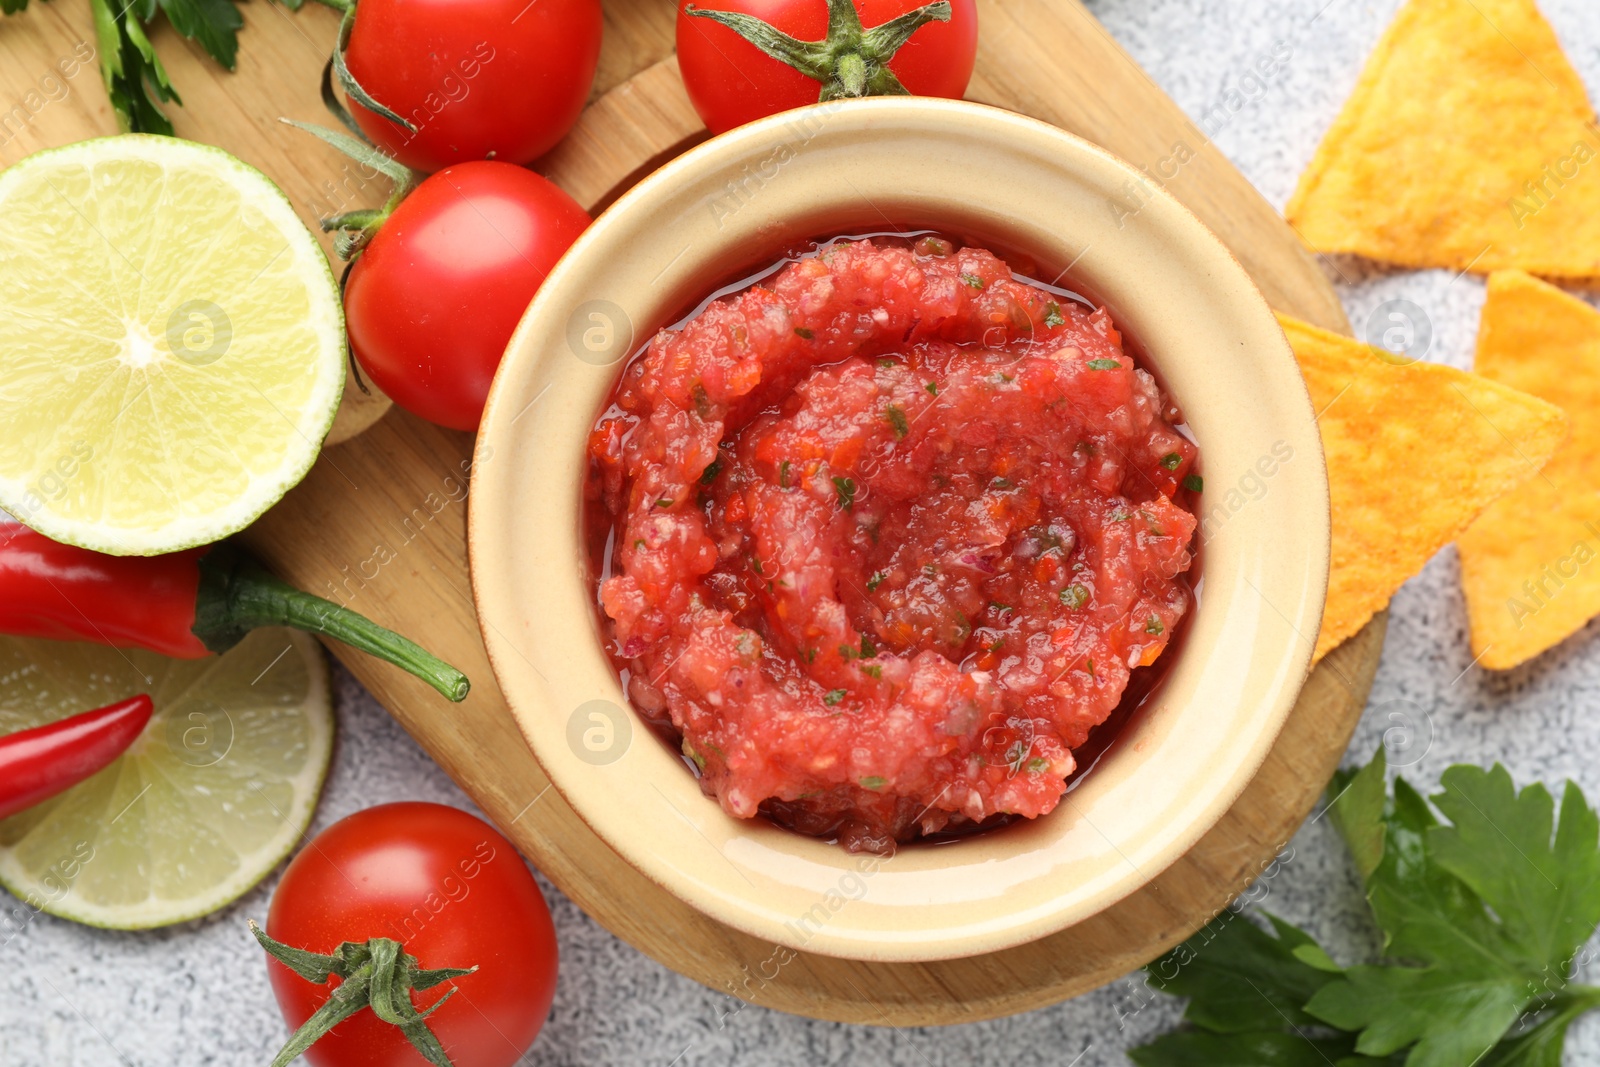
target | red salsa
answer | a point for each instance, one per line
(890, 531)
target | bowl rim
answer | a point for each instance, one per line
(488, 596)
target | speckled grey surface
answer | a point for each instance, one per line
(197, 994)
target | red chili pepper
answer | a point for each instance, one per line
(37, 764)
(185, 605)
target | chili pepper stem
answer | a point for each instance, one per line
(238, 595)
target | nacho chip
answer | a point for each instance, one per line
(1469, 143)
(1530, 567)
(1415, 451)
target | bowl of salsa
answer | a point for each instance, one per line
(852, 534)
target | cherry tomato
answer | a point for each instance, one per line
(435, 296)
(480, 79)
(732, 82)
(455, 893)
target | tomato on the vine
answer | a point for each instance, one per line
(732, 81)
(455, 894)
(434, 297)
(479, 79)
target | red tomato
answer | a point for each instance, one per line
(732, 82)
(455, 893)
(480, 79)
(433, 299)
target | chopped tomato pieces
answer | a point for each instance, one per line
(889, 575)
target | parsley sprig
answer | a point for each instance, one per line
(135, 80)
(1483, 914)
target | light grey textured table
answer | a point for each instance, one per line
(197, 994)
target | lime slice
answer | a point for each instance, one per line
(219, 787)
(171, 344)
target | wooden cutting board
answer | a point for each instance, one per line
(380, 522)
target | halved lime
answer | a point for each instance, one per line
(171, 344)
(219, 787)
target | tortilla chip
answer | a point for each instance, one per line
(1529, 566)
(1469, 143)
(1415, 451)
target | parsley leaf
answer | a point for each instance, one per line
(212, 24)
(1549, 902)
(1488, 906)
(897, 419)
(130, 67)
(1483, 913)
(136, 82)
(1231, 966)
(845, 489)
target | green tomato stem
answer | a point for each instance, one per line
(376, 974)
(850, 61)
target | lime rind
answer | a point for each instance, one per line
(183, 451)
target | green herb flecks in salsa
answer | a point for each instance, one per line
(845, 489)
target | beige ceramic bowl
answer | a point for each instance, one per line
(737, 202)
